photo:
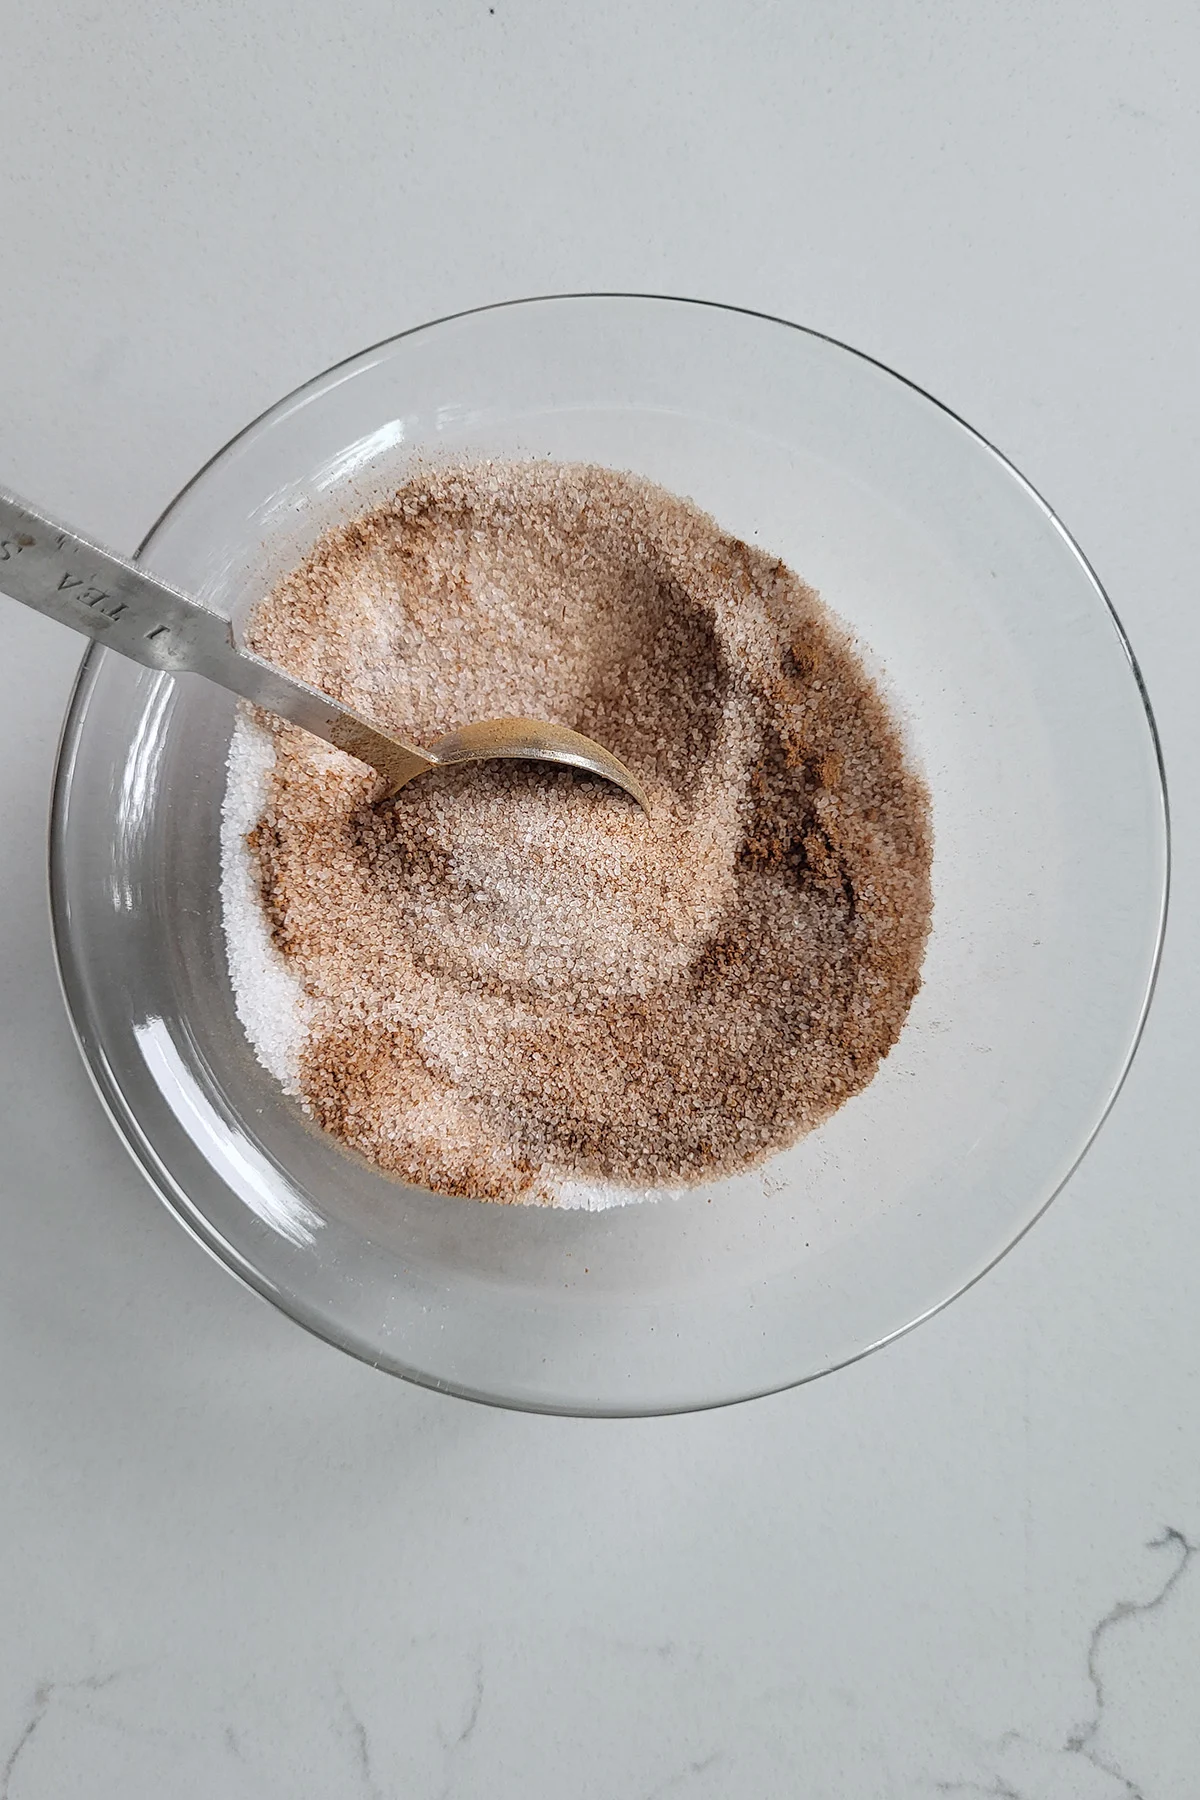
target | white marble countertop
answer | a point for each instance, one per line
(233, 1562)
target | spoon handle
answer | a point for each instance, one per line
(49, 567)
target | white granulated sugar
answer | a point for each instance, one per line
(270, 1000)
(582, 1196)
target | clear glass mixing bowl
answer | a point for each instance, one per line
(1023, 705)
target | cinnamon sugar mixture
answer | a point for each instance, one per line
(510, 983)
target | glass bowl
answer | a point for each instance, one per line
(1023, 706)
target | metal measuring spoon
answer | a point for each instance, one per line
(48, 566)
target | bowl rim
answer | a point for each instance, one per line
(108, 1090)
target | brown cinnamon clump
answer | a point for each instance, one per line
(515, 979)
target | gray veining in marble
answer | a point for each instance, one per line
(234, 1564)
